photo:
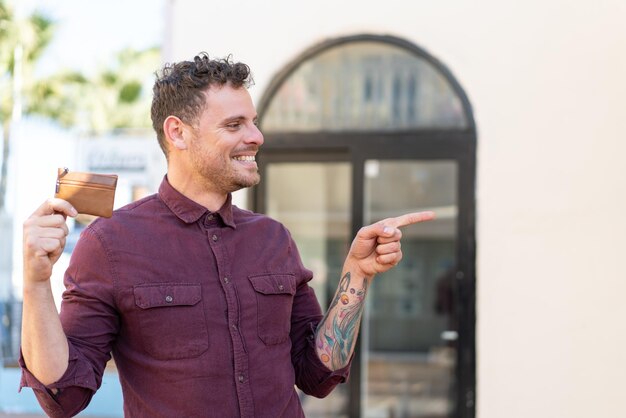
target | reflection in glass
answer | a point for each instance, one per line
(364, 86)
(410, 331)
(313, 201)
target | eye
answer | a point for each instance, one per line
(233, 125)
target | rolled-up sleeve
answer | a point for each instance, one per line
(90, 322)
(312, 376)
(71, 393)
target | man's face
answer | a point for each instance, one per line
(225, 141)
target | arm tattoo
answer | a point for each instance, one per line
(337, 332)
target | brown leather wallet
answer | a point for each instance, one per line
(89, 193)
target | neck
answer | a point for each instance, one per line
(195, 190)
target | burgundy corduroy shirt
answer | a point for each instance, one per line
(206, 314)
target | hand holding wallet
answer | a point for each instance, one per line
(89, 193)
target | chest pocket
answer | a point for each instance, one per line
(171, 318)
(274, 296)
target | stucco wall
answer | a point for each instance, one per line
(546, 80)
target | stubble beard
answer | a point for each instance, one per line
(224, 179)
(242, 183)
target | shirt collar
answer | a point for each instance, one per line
(189, 211)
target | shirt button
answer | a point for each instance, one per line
(234, 327)
(241, 378)
(210, 217)
(214, 237)
(226, 280)
(281, 287)
(169, 299)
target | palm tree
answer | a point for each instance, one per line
(23, 41)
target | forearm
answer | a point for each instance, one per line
(375, 249)
(337, 333)
(44, 344)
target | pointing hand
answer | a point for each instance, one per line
(376, 248)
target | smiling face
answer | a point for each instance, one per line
(225, 140)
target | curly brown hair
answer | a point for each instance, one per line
(179, 89)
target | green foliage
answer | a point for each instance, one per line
(130, 92)
(117, 96)
(30, 35)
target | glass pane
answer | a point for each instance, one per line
(410, 331)
(313, 201)
(364, 86)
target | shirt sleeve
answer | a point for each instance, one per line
(90, 322)
(70, 394)
(312, 376)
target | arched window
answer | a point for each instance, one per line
(363, 85)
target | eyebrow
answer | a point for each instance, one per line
(237, 119)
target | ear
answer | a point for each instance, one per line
(174, 129)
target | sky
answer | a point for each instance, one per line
(89, 33)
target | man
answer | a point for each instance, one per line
(204, 306)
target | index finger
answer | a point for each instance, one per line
(410, 218)
(55, 205)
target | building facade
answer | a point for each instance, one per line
(505, 118)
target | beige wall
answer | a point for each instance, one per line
(547, 83)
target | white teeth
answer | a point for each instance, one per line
(245, 158)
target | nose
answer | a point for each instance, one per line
(255, 136)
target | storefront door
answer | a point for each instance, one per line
(407, 362)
